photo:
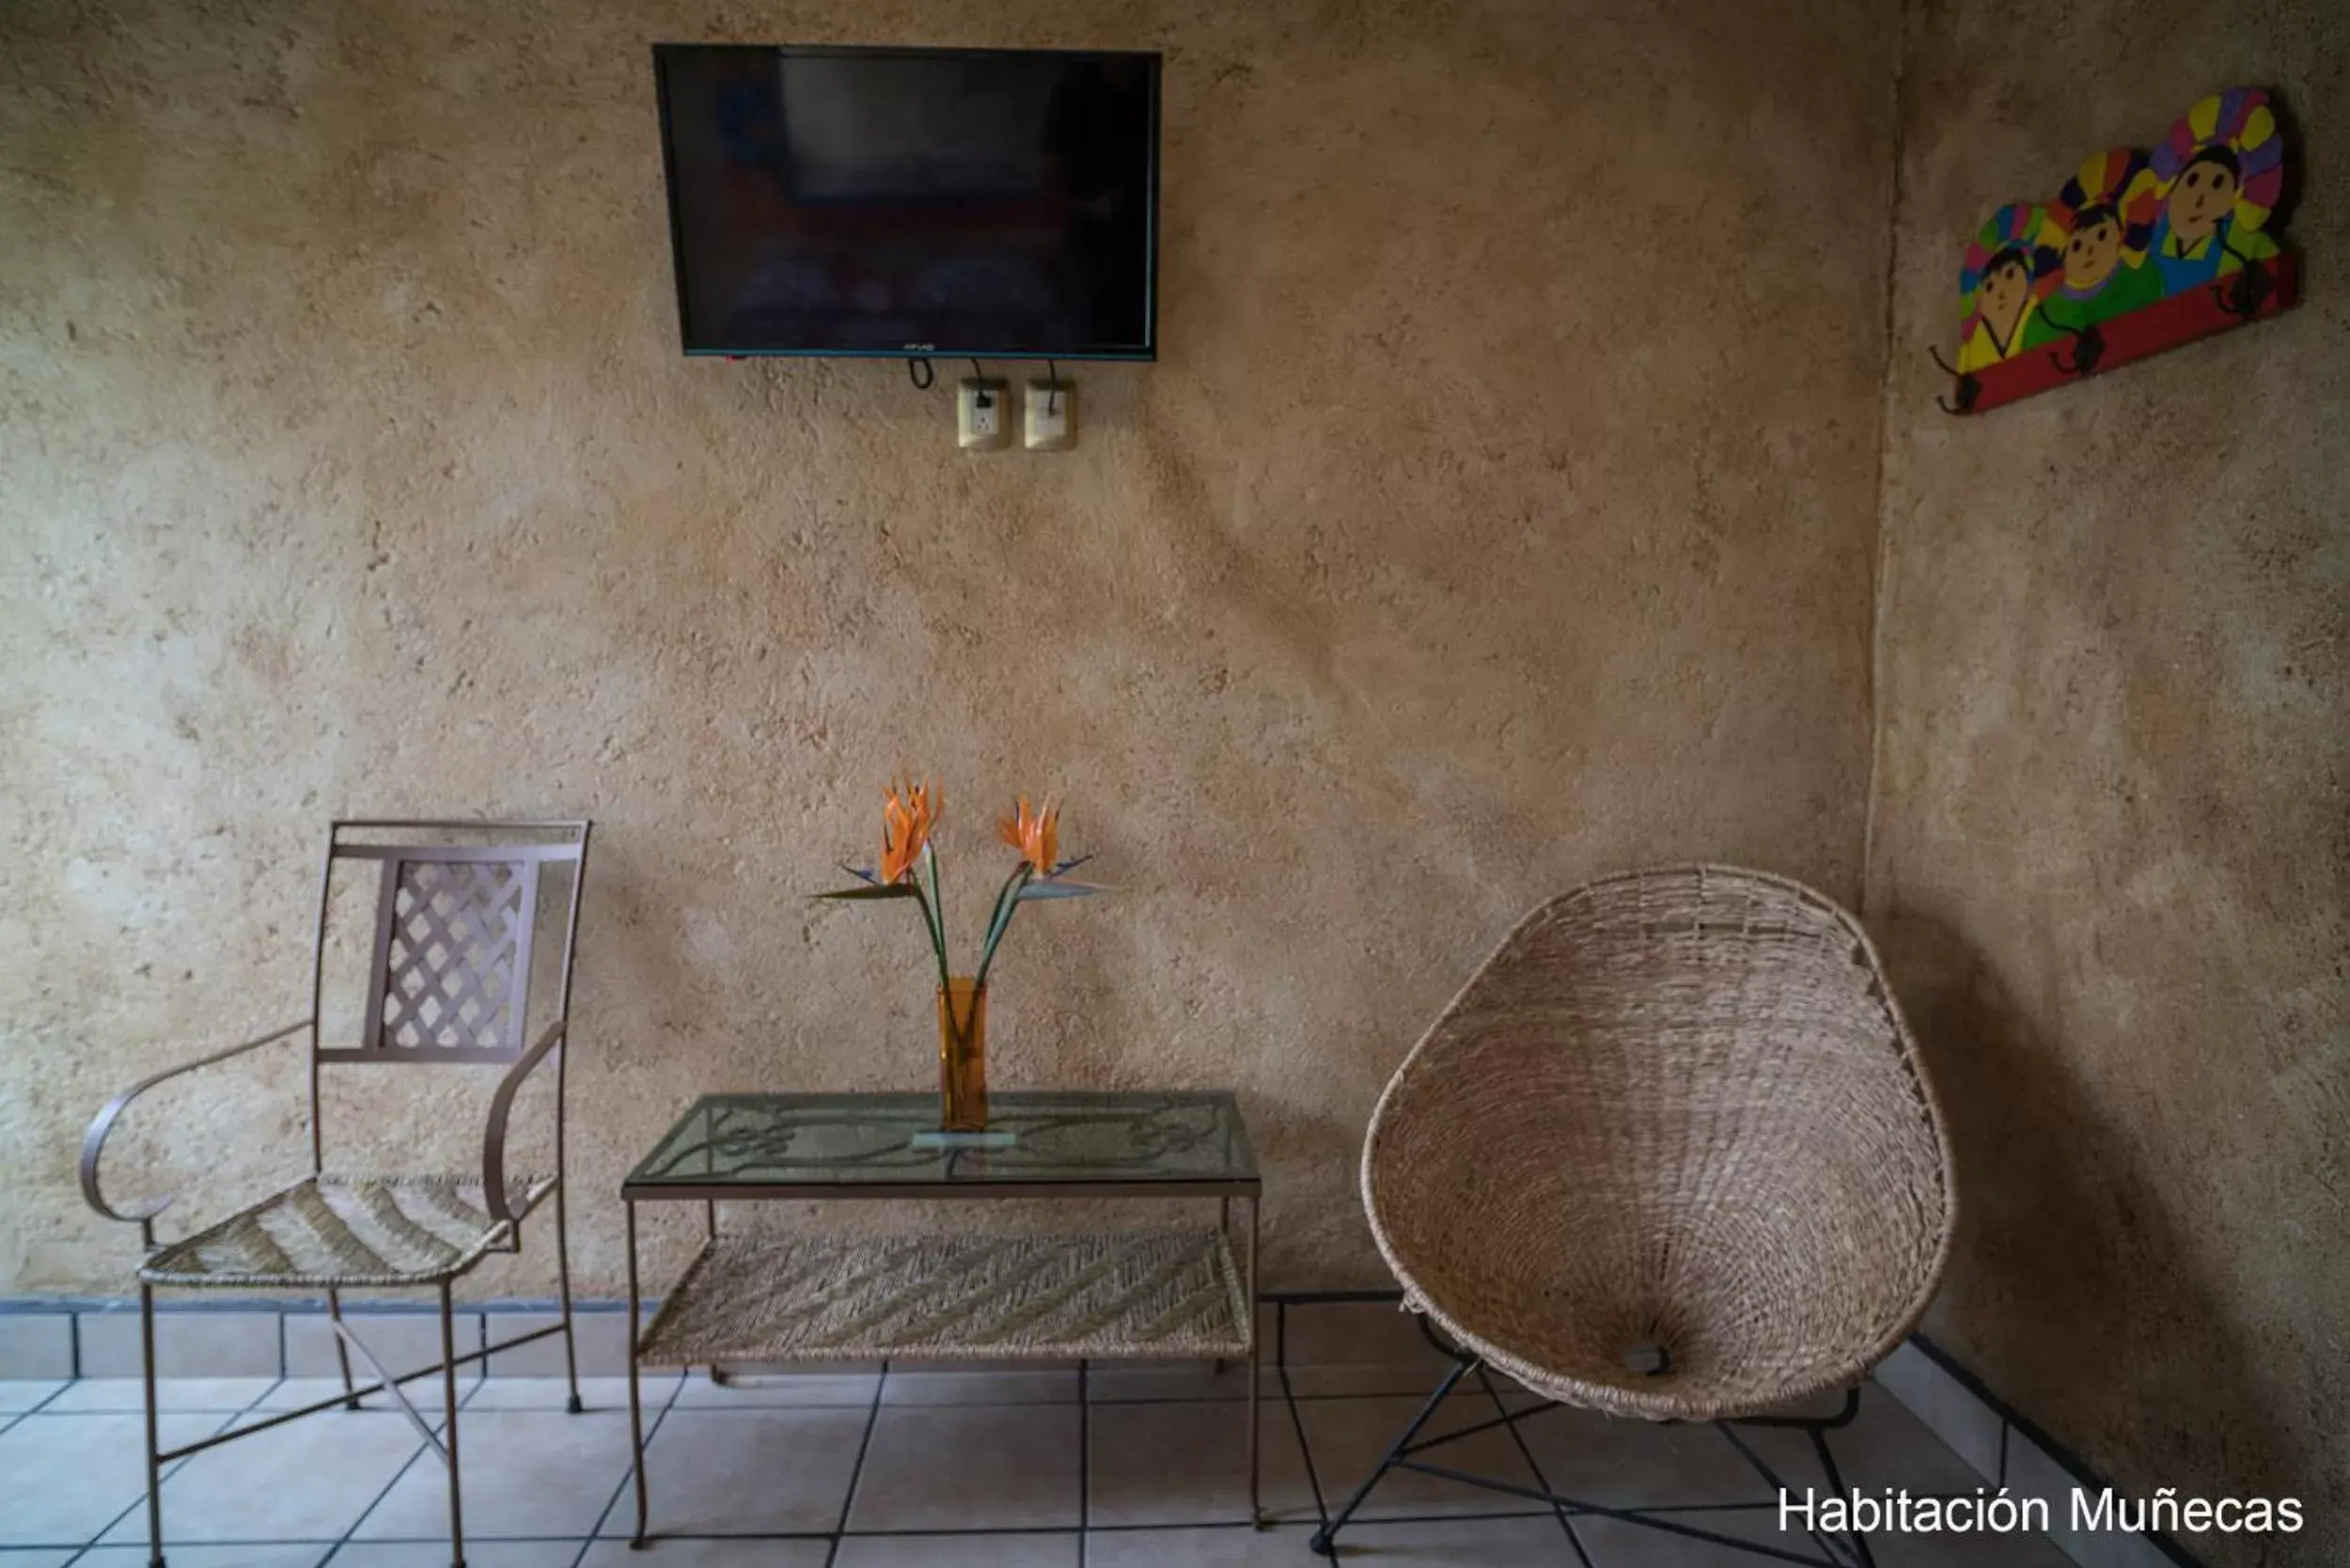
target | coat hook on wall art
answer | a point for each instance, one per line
(2089, 347)
(2141, 251)
(1966, 386)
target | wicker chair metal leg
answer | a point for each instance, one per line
(1509, 1424)
(1325, 1539)
(1836, 1480)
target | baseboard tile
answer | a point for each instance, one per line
(2005, 1450)
(187, 1344)
(1354, 1351)
(36, 1345)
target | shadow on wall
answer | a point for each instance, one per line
(2062, 1241)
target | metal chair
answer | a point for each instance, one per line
(449, 979)
(1670, 1154)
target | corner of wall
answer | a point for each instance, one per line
(1879, 546)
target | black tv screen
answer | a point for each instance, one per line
(983, 202)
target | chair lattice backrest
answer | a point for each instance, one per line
(449, 968)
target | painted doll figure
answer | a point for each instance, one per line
(2217, 175)
(2102, 214)
(2009, 267)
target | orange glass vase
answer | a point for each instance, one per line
(963, 1056)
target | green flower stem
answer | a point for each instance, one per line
(938, 902)
(1007, 904)
(934, 931)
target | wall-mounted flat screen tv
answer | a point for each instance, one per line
(985, 202)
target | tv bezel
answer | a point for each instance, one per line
(1147, 352)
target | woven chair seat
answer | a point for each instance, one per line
(1669, 1154)
(347, 1231)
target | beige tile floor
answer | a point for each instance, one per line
(1121, 1469)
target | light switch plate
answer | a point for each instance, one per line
(1051, 409)
(982, 414)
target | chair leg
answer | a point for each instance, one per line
(563, 1288)
(1860, 1543)
(154, 1440)
(448, 1396)
(1325, 1540)
(343, 1351)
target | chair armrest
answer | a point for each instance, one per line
(94, 1141)
(501, 1105)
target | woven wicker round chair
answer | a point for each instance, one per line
(1670, 1153)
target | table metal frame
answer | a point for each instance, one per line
(710, 1194)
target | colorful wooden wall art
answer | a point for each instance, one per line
(2140, 252)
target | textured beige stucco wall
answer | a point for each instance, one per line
(2111, 843)
(1500, 511)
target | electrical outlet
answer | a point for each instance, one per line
(1052, 411)
(982, 420)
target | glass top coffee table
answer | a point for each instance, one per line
(969, 1291)
(817, 1145)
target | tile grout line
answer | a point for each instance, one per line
(450, 1415)
(595, 1530)
(1525, 1451)
(40, 1404)
(334, 1550)
(856, 1471)
(934, 1532)
(931, 1533)
(1057, 1403)
(946, 1532)
(226, 1420)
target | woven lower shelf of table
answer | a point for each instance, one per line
(1174, 1294)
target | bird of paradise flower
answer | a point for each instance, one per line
(910, 814)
